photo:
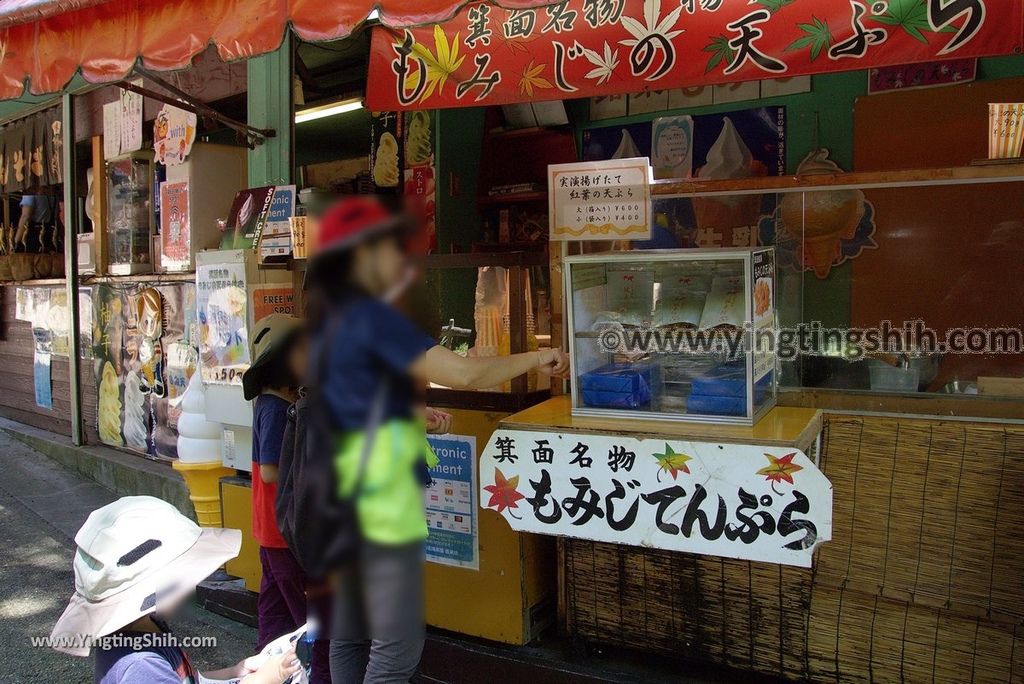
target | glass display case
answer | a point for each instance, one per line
(131, 213)
(673, 334)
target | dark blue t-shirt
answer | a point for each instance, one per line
(269, 416)
(371, 342)
(154, 665)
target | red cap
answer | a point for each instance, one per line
(351, 221)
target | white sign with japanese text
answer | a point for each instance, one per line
(604, 200)
(756, 503)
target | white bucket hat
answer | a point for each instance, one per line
(134, 556)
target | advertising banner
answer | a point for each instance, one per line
(489, 55)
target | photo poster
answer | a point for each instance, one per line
(386, 151)
(453, 536)
(734, 144)
(175, 232)
(42, 378)
(420, 186)
(247, 217)
(222, 307)
(143, 357)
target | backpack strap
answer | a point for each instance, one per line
(373, 422)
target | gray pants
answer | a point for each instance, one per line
(378, 628)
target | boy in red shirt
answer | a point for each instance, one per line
(278, 361)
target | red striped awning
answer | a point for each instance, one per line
(43, 43)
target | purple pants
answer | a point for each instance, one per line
(281, 607)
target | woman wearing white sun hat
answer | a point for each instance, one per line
(137, 560)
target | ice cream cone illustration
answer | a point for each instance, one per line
(819, 252)
(729, 158)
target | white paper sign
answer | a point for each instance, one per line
(111, 130)
(606, 200)
(755, 503)
(130, 113)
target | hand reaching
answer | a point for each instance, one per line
(554, 362)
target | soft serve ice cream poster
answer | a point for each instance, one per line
(727, 146)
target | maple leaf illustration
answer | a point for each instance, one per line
(911, 16)
(532, 78)
(654, 33)
(720, 51)
(503, 492)
(441, 63)
(780, 469)
(774, 5)
(818, 38)
(604, 65)
(672, 462)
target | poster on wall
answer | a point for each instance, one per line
(818, 231)
(174, 131)
(730, 145)
(111, 130)
(386, 150)
(452, 537)
(419, 186)
(42, 378)
(672, 147)
(757, 503)
(221, 303)
(131, 120)
(175, 231)
(143, 356)
(929, 75)
(490, 55)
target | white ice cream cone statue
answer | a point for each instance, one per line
(199, 459)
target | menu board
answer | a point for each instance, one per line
(603, 200)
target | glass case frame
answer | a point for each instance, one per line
(744, 256)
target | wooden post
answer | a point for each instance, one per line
(99, 193)
(71, 266)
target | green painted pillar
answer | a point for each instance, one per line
(270, 106)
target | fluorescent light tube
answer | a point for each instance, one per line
(323, 111)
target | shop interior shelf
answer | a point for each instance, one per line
(482, 259)
(513, 198)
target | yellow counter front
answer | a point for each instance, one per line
(783, 426)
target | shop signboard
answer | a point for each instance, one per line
(452, 537)
(270, 299)
(605, 200)
(491, 55)
(174, 131)
(750, 502)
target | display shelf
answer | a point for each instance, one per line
(482, 259)
(513, 198)
(527, 132)
(497, 402)
(956, 175)
(183, 277)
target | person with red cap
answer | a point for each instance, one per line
(373, 362)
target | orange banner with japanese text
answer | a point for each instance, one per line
(488, 54)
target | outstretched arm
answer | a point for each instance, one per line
(442, 366)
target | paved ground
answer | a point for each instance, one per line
(41, 507)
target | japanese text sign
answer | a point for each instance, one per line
(606, 200)
(749, 502)
(488, 54)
